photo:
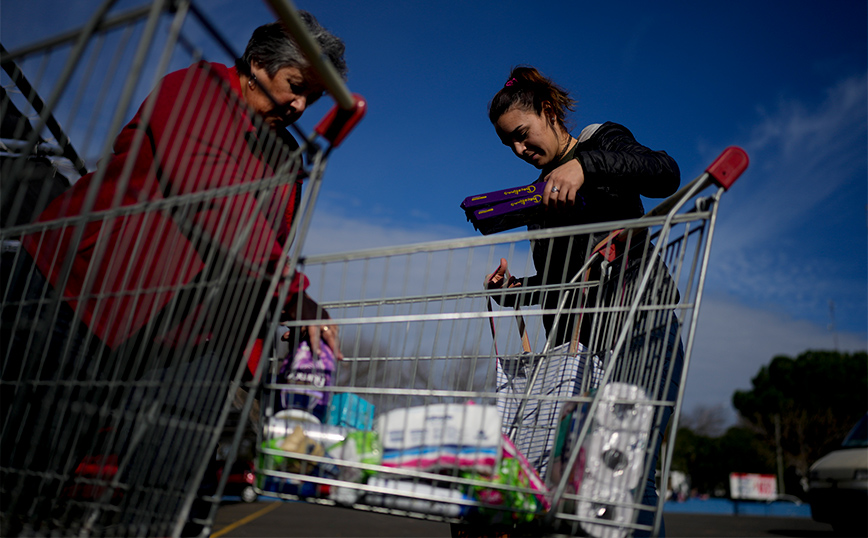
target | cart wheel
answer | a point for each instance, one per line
(249, 494)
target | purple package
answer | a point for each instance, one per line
(303, 369)
(512, 214)
(521, 204)
(481, 200)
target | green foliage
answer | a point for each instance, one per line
(816, 397)
(709, 460)
(809, 402)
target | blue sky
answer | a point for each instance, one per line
(785, 81)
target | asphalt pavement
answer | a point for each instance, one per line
(301, 520)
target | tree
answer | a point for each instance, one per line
(708, 460)
(812, 401)
(710, 421)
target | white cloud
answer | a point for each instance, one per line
(805, 190)
(799, 157)
(333, 232)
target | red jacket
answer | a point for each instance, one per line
(146, 236)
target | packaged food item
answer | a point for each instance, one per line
(528, 473)
(286, 460)
(442, 437)
(357, 447)
(313, 373)
(294, 432)
(506, 505)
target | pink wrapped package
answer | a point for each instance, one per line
(534, 481)
(501, 505)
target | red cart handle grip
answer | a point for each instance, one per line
(338, 123)
(728, 166)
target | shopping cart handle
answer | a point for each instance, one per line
(337, 124)
(728, 166)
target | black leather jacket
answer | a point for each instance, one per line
(617, 171)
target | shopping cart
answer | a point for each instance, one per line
(121, 429)
(447, 409)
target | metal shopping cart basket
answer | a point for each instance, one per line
(134, 292)
(426, 418)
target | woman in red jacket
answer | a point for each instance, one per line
(204, 128)
(154, 269)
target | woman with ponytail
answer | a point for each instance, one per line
(597, 176)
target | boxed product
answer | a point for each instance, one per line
(441, 436)
(501, 210)
(351, 411)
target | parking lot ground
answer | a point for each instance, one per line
(267, 519)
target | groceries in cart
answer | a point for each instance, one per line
(312, 372)
(351, 411)
(440, 437)
(500, 502)
(310, 422)
(444, 442)
(609, 466)
(464, 441)
(296, 443)
(458, 461)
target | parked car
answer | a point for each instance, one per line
(839, 484)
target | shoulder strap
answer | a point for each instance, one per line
(588, 132)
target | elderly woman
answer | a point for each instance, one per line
(205, 127)
(163, 276)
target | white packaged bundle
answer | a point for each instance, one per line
(616, 458)
(441, 436)
(608, 518)
(417, 497)
(624, 407)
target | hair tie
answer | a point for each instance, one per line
(510, 82)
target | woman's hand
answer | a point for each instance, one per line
(563, 185)
(326, 333)
(310, 310)
(499, 278)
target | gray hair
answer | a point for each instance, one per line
(272, 47)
